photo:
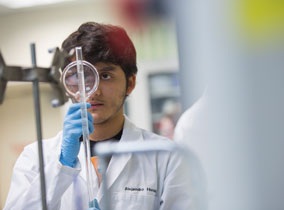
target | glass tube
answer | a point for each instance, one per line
(85, 129)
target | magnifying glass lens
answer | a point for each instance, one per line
(70, 78)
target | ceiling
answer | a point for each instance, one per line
(4, 10)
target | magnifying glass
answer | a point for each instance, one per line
(70, 79)
(81, 80)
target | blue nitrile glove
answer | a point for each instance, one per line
(96, 206)
(72, 131)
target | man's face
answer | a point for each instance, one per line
(107, 102)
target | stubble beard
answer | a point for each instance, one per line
(108, 118)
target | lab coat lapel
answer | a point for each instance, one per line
(118, 162)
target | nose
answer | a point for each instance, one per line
(98, 91)
(95, 94)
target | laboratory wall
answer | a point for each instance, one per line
(47, 27)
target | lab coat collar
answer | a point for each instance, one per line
(117, 163)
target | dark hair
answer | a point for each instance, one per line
(103, 43)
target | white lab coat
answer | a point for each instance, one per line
(160, 176)
(191, 131)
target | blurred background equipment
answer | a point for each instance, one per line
(165, 102)
(235, 50)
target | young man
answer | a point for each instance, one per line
(146, 181)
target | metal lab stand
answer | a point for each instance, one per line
(36, 75)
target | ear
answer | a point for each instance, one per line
(131, 84)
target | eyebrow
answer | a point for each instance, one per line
(107, 68)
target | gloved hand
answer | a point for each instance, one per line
(72, 131)
(96, 206)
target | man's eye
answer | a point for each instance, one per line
(71, 79)
(105, 76)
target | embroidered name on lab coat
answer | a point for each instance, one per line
(151, 190)
(139, 189)
(134, 189)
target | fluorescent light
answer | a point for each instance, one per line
(16, 4)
